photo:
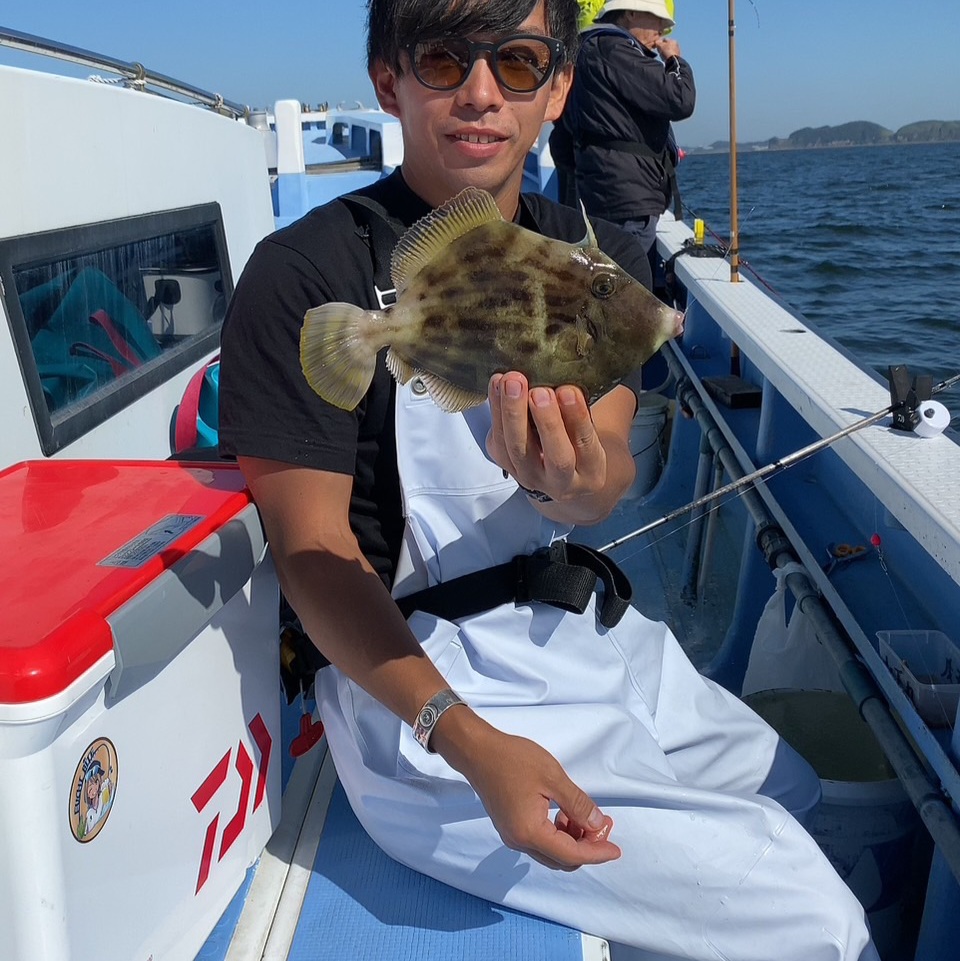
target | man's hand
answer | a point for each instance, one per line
(519, 783)
(551, 441)
(545, 438)
(667, 48)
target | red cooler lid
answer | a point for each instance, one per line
(82, 537)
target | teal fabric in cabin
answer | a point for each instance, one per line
(77, 354)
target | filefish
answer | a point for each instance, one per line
(478, 295)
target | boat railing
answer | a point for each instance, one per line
(134, 74)
(364, 137)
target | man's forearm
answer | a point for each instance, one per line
(354, 622)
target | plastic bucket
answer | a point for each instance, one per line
(866, 824)
(647, 434)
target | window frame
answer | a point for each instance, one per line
(59, 428)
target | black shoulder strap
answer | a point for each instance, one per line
(383, 231)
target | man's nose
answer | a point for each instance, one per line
(481, 90)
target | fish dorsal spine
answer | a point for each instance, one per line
(589, 238)
(433, 233)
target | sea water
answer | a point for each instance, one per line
(863, 241)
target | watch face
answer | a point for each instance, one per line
(427, 716)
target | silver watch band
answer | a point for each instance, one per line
(430, 713)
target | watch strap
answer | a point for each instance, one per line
(535, 495)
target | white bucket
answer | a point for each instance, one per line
(866, 824)
(647, 442)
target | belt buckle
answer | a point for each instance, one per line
(528, 567)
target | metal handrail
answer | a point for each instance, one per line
(922, 787)
(132, 71)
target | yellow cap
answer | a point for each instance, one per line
(588, 11)
(670, 10)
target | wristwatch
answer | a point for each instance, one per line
(534, 494)
(430, 713)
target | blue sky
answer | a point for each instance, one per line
(799, 62)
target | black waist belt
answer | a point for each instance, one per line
(640, 149)
(563, 575)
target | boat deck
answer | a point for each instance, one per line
(323, 891)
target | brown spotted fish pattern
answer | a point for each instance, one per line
(477, 295)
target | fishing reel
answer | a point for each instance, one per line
(906, 395)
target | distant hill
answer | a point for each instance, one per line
(857, 133)
(927, 131)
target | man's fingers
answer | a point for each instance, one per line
(514, 417)
(560, 849)
(578, 422)
(578, 833)
(495, 445)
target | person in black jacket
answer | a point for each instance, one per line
(630, 84)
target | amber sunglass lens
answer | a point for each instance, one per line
(523, 64)
(442, 63)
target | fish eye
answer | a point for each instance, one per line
(604, 285)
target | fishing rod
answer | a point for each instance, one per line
(773, 467)
(734, 217)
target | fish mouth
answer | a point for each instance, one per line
(678, 323)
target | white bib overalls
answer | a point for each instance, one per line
(710, 868)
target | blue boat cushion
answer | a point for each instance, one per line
(360, 903)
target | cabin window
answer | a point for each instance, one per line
(358, 140)
(376, 147)
(104, 313)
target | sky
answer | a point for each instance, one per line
(799, 63)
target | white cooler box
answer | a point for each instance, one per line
(139, 706)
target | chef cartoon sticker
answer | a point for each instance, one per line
(94, 788)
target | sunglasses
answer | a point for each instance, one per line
(521, 64)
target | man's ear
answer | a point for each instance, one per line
(560, 85)
(384, 80)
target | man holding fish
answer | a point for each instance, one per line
(572, 765)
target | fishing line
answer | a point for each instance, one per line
(768, 470)
(723, 245)
(680, 527)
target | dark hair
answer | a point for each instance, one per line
(613, 16)
(392, 25)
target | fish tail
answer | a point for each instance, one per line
(337, 354)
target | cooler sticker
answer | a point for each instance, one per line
(145, 546)
(94, 788)
(202, 474)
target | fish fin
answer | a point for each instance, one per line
(401, 369)
(337, 359)
(448, 396)
(585, 338)
(590, 238)
(433, 233)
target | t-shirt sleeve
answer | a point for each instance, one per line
(267, 408)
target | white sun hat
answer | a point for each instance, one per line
(657, 7)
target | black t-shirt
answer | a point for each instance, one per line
(268, 410)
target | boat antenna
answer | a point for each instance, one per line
(773, 467)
